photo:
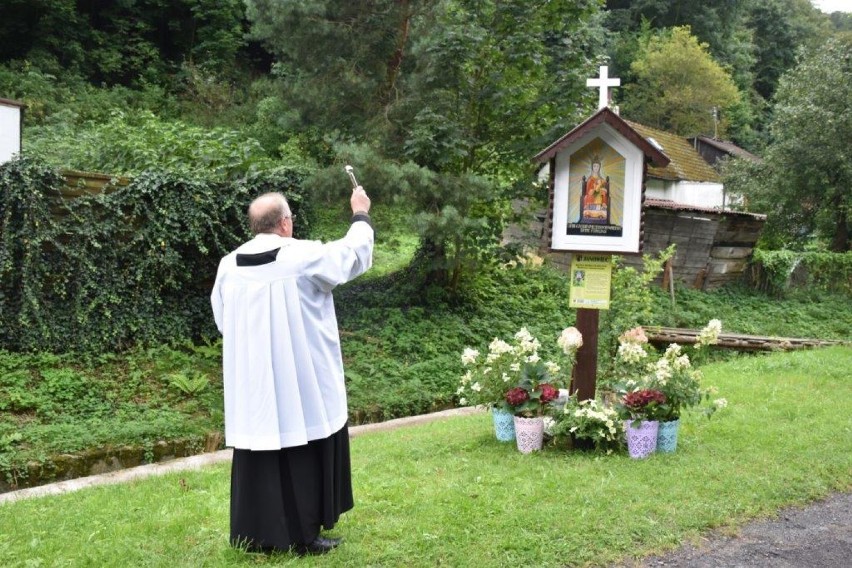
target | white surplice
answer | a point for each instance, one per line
(282, 365)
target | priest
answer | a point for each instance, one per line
(285, 398)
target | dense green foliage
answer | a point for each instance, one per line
(133, 265)
(450, 97)
(678, 86)
(128, 143)
(129, 43)
(52, 405)
(803, 183)
(776, 271)
(753, 40)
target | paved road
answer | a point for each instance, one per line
(816, 536)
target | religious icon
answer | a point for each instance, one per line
(594, 200)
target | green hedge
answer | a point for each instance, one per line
(132, 265)
(775, 271)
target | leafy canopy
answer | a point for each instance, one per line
(678, 84)
(803, 183)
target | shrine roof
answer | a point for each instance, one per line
(10, 102)
(606, 116)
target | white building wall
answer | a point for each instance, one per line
(10, 131)
(700, 194)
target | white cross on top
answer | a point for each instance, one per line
(603, 82)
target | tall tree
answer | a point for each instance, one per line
(463, 91)
(127, 43)
(804, 182)
(678, 85)
(780, 28)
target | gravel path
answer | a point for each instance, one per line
(816, 536)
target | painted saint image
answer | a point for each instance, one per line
(596, 191)
(595, 197)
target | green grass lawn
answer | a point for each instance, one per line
(447, 493)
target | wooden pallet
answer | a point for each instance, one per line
(664, 335)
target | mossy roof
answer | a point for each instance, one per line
(686, 163)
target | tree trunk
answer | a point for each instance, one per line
(395, 62)
(840, 241)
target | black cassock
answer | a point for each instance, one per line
(281, 498)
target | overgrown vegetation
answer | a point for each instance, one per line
(130, 266)
(60, 404)
(401, 351)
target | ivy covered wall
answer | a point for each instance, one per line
(131, 265)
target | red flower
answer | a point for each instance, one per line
(516, 396)
(548, 393)
(640, 399)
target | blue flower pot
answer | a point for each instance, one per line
(667, 436)
(504, 425)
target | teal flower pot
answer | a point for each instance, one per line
(504, 425)
(667, 436)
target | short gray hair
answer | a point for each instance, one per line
(266, 212)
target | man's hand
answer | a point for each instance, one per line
(359, 201)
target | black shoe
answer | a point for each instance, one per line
(320, 545)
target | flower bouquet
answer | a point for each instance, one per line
(513, 378)
(673, 374)
(588, 421)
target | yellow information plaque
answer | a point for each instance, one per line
(591, 276)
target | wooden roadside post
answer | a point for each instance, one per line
(586, 368)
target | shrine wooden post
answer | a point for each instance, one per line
(606, 142)
(586, 368)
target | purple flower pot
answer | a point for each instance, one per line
(641, 441)
(529, 433)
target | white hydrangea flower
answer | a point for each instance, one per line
(534, 358)
(466, 378)
(460, 390)
(469, 356)
(721, 403)
(552, 367)
(476, 387)
(570, 340)
(506, 378)
(498, 347)
(463, 401)
(515, 367)
(673, 350)
(710, 334)
(523, 335)
(682, 363)
(662, 370)
(631, 352)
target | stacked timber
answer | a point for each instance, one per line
(665, 335)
